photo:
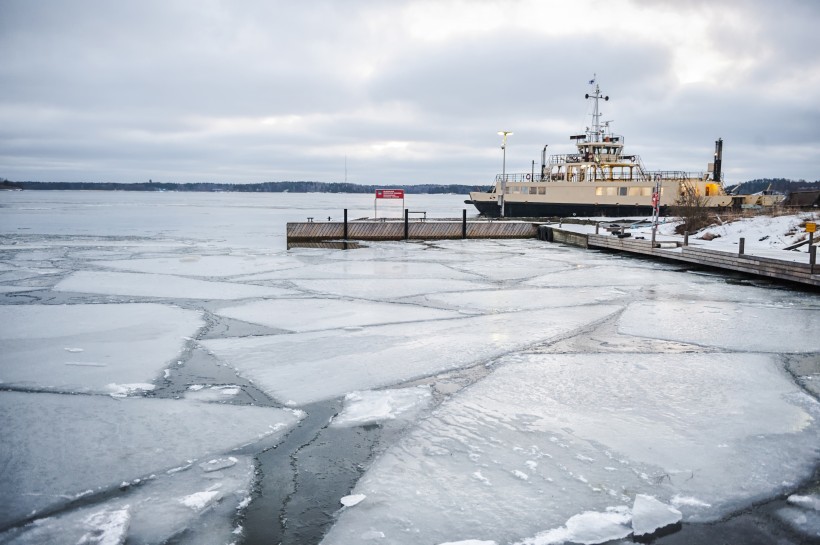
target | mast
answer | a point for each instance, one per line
(596, 113)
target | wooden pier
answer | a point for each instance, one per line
(802, 273)
(376, 230)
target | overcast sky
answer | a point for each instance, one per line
(402, 92)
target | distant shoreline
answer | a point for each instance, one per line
(264, 187)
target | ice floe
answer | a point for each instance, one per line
(54, 445)
(108, 345)
(161, 285)
(306, 367)
(316, 314)
(590, 431)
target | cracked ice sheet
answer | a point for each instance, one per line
(286, 367)
(546, 437)
(57, 446)
(732, 326)
(378, 288)
(610, 274)
(91, 348)
(161, 285)
(510, 300)
(315, 314)
(191, 505)
(396, 269)
(207, 265)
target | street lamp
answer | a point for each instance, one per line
(504, 135)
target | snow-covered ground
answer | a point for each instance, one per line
(763, 235)
(153, 345)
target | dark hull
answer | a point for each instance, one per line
(562, 210)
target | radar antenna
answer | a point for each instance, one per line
(596, 113)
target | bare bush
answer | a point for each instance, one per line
(691, 208)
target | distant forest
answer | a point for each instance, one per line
(265, 187)
(776, 185)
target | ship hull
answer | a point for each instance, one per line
(543, 210)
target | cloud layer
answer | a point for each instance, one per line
(401, 92)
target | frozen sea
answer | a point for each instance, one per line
(171, 373)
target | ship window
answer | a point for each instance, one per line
(533, 190)
(542, 190)
(634, 191)
(508, 190)
(622, 191)
(599, 191)
(646, 191)
(611, 191)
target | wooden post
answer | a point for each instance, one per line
(741, 246)
(345, 232)
(812, 258)
(686, 238)
(597, 226)
(406, 224)
(463, 223)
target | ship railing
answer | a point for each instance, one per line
(519, 177)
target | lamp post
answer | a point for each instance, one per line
(504, 135)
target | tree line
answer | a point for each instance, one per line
(264, 187)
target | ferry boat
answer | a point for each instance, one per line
(599, 179)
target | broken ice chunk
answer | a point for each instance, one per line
(218, 463)
(650, 515)
(199, 501)
(588, 528)
(353, 499)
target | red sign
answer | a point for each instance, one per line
(390, 193)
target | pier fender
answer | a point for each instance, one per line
(545, 233)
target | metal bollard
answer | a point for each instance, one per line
(463, 223)
(812, 258)
(686, 238)
(741, 246)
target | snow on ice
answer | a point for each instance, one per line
(370, 407)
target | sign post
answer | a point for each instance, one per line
(387, 194)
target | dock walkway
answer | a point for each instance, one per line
(780, 269)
